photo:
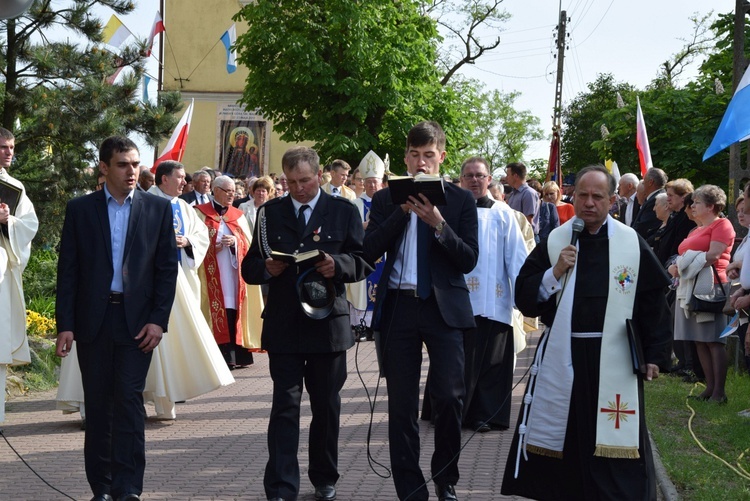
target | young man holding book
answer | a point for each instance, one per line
(18, 225)
(422, 297)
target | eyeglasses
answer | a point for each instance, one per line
(478, 177)
(230, 193)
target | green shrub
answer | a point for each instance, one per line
(40, 276)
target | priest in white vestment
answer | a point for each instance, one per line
(187, 363)
(18, 225)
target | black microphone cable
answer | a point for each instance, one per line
(372, 401)
(32, 469)
(463, 446)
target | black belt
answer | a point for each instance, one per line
(404, 292)
(116, 297)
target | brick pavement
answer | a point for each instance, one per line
(216, 449)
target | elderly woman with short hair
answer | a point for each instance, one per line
(713, 241)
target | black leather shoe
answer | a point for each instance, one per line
(102, 497)
(325, 492)
(129, 497)
(446, 492)
(275, 499)
(481, 427)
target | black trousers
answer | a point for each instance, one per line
(323, 375)
(408, 322)
(114, 370)
(489, 373)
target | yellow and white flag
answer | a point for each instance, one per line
(115, 33)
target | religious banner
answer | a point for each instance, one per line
(242, 144)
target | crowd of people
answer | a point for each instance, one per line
(169, 281)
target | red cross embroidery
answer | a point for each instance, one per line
(615, 409)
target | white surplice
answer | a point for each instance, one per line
(15, 249)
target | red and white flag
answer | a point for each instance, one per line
(175, 148)
(157, 28)
(641, 141)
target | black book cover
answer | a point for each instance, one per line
(402, 187)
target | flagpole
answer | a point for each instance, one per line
(160, 78)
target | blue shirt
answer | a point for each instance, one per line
(119, 215)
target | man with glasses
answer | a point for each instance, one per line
(231, 308)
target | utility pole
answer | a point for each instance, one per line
(557, 118)
(561, 39)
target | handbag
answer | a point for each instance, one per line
(709, 295)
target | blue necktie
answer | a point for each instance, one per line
(424, 280)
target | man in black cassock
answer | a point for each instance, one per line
(577, 472)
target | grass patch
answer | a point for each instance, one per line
(696, 474)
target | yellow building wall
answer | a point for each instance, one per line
(195, 64)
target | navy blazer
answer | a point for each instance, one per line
(335, 228)
(646, 222)
(84, 270)
(451, 256)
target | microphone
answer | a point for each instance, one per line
(577, 229)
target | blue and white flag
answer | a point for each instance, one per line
(735, 126)
(228, 39)
(144, 93)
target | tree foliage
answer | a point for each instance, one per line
(681, 120)
(502, 132)
(353, 76)
(58, 102)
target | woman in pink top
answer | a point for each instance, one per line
(714, 236)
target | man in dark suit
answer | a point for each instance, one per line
(646, 222)
(422, 297)
(116, 277)
(302, 347)
(201, 193)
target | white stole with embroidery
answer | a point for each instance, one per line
(547, 401)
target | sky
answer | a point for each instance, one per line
(628, 38)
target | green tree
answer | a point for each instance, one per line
(582, 121)
(353, 76)
(681, 121)
(58, 102)
(502, 132)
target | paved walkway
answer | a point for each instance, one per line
(216, 449)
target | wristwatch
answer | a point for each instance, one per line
(439, 227)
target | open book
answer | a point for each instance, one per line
(308, 257)
(429, 185)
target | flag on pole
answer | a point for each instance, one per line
(120, 66)
(735, 125)
(554, 171)
(157, 28)
(115, 33)
(228, 39)
(175, 148)
(641, 141)
(613, 169)
(144, 93)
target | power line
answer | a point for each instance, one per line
(597, 24)
(514, 76)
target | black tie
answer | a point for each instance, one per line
(424, 280)
(301, 220)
